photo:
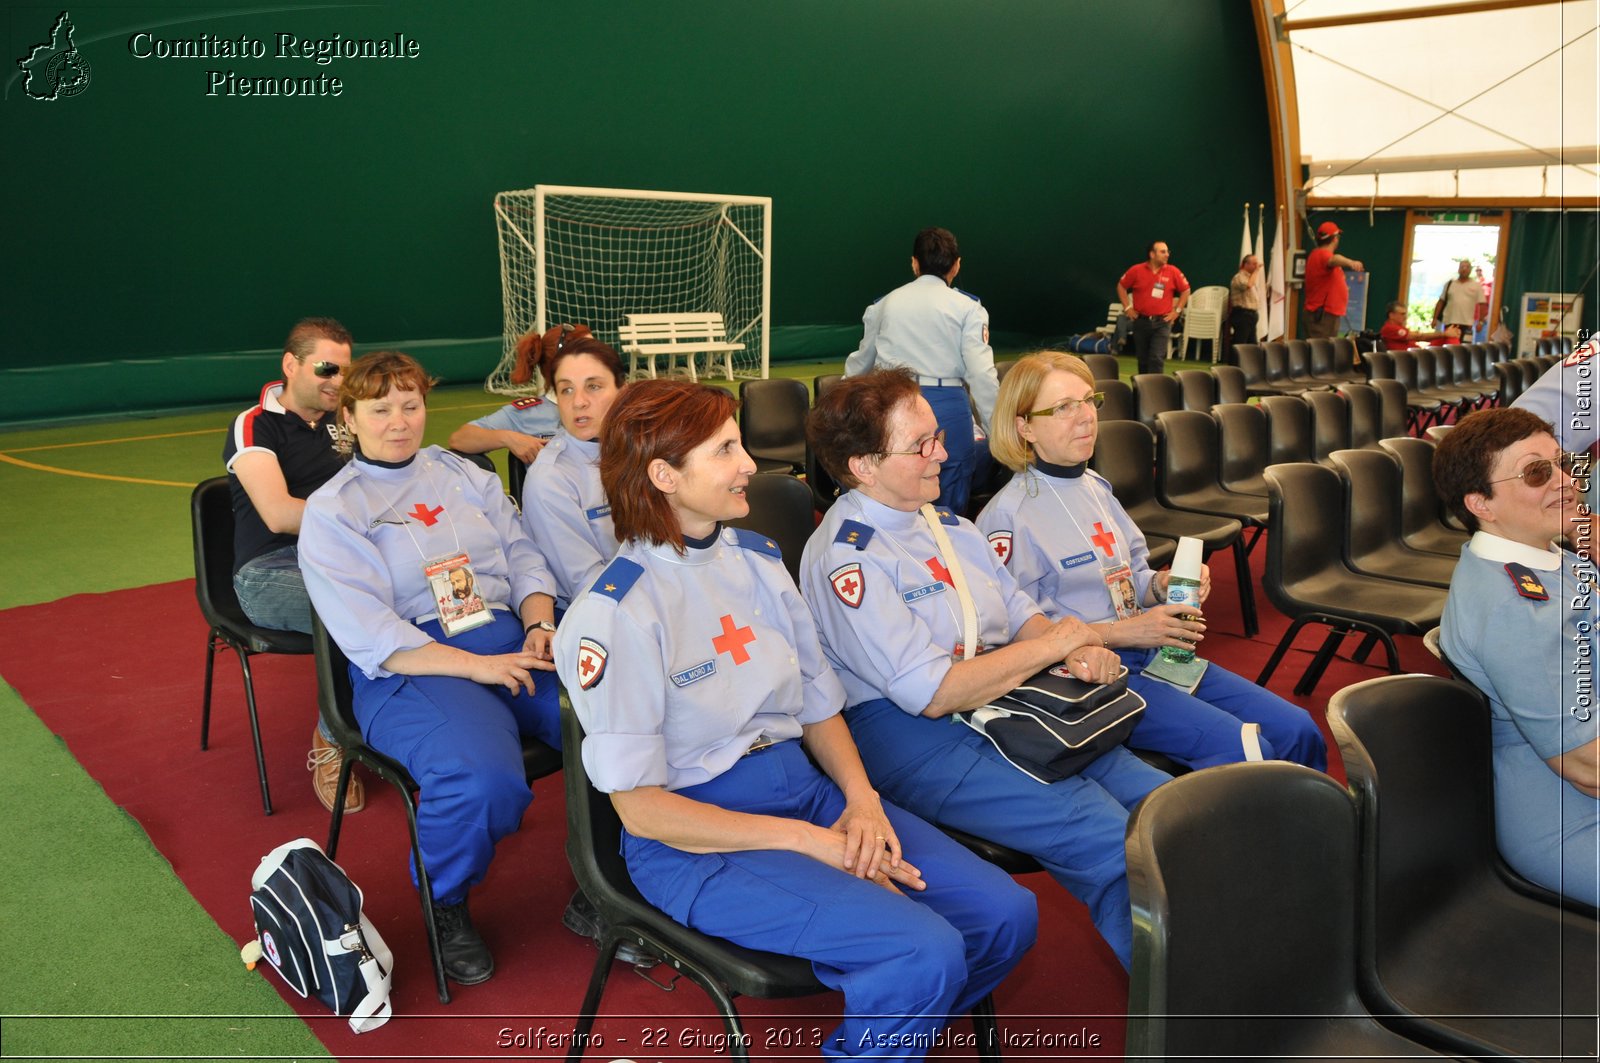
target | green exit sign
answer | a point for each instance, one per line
(1460, 217)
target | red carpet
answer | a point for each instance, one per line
(119, 677)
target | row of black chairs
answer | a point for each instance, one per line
(1275, 916)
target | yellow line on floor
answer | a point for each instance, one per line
(91, 475)
(101, 442)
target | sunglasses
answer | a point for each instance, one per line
(326, 370)
(925, 449)
(1069, 407)
(1538, 473)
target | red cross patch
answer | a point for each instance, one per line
(1000, 543)
(428, 516)
(591, 662)
(1105, 540)
(848, 584)
(1582, 353)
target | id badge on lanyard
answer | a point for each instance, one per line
(456, 597)
(1119, 584)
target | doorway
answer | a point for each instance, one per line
(1436, 243)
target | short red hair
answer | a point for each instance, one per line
(653, 419)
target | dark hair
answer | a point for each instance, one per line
(936, 252)
(1398, 304)
(1467, 453)
(302, 341)
(1151, 249)
(852, 419)
(571, 344)
(653, 419)
(1330, 238)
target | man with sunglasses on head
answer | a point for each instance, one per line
(1519, 624)
(277, 453)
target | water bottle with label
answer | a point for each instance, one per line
(1183, 588)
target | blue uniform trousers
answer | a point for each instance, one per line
(1202, 729)
(954, 412)
(949, 774)
(905, 964)
(461, 741)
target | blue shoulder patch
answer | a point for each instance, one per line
(618, 578)
(854, 533)
(756, 541)
(966, 293)
(947, 517)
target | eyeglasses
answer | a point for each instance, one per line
(925, 449)
(326, 370)
(1538, 473)
(1069, 407)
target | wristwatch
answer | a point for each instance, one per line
(542, 625)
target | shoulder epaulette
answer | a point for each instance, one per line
(618, 578)
(527, 403)
(756, 541)
(947, 517)
(854, 533)
(1526, 582)
(966, 293)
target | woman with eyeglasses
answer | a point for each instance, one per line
(564, 507)
(880, 585)
(712, 720)
(444, 685)
(1520, 625)
(1070, 545)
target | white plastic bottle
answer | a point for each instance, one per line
(1184, 589)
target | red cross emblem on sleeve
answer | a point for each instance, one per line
(733, 640)
(591, 662)
(428, 517)
(848, 584)
(1105, 540)
(1000, 543)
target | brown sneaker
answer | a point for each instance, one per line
(323, 763)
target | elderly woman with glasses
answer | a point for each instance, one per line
(1071, 546)
(1520, 625)
(443, 684)
(712, 720)
(879, 581)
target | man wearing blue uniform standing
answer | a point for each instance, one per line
(940, 333)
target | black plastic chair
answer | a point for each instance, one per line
(211, 519)
(1455, 950)
(1231, 386)
(1246, 449)
(1330, 423)
(1345, 365)
(1125, 455)
(1198, 388)
(1424, 405)
(1279, 376)
(1510, 378)
(1154, 394)
(1119, 400)
(719, 967)
(1252, 366)
(1103, 366)
(1244, 928)
(1307, 580)
(334, 702)
(1365, 407)
(1373, 546)
(782, 509)
(1188, 477)
(772, 422)
(1422, 517)
(1394, 416)
(1288, 428)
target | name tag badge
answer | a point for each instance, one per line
(1158, 290)
(597, 512)
(695, 674)
(935, 587)
(1077, 559)
(457, 601)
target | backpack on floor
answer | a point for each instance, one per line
(311, 929)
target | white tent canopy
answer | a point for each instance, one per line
(1487, 100)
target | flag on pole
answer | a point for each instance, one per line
(1275, 284)
(1244, 241)
(1261, 274)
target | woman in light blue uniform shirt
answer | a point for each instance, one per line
(696, 672)
(1069, 543)
(891, 625)
(444, 682)
(564, 507)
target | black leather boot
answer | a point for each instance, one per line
(583, 919)
(465, 957)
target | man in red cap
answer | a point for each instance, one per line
(1326, 294)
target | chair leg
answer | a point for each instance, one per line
(205, 707)
(1391, 651)
(425, 890)
(1247, 590)
(986, 1029)
(337, 820)
(255, 729)
(1282, 648)
(591, 998)
(1319, 663)
(1364, 650)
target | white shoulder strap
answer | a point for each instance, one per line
(969, 612)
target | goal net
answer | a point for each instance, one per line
(590, 256)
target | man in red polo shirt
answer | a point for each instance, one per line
(1153, 294)
(1326, 294)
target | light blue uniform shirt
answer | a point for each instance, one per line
(564, 509)
(1566, 396)
(934, 330)
(678, 664)
(530, 416)
(367, 532)
(1535, 661)
(889, 623)
(1054, 534)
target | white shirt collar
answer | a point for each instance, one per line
(1492, 547)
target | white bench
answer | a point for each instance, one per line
(675, 334)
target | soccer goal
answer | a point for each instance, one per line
(593, 256)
